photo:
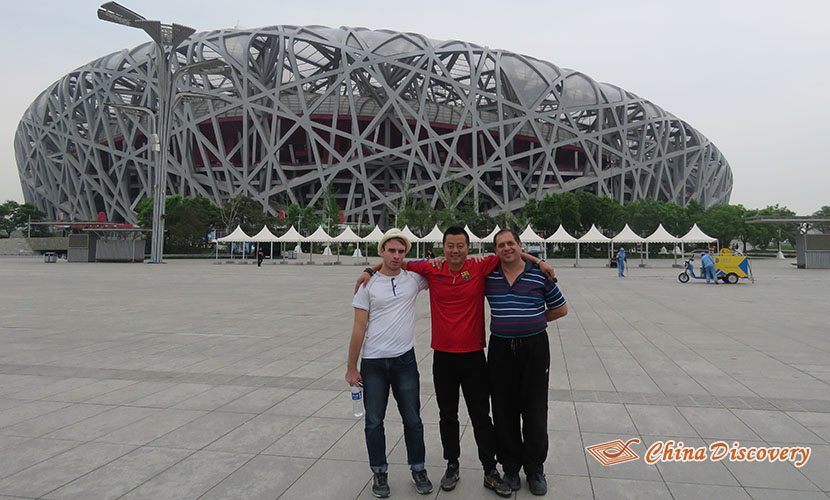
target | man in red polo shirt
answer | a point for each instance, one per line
(457, 307)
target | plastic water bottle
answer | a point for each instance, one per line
(357, 401)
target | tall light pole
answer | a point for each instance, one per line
(166, 37)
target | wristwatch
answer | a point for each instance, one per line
(538, 262)
(370, 271)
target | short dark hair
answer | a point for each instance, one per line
(506, 230)
(456, 230)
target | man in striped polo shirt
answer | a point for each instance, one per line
(522, 302)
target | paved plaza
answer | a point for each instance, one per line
(194, 380)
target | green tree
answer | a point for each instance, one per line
(823, 212)
(643, 216)
(15, 216)
(509, 220)
(610, 215)
(305, 220)
(591, 210)
(7, 212)
(546, 214)
(246, 212)
(694, 214)
(762, 235)
(726, 223)
(331, 211)
(187, 222)
(418, 215)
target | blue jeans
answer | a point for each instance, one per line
(710, 273)
(401, 375)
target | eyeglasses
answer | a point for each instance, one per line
(394, 292)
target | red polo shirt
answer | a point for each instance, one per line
(456, 300)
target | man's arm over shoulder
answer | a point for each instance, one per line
(489, 264)
(422, 267)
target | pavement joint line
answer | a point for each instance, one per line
(690, 401)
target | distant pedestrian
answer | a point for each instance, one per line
(621, 261)
(259, 257)
(430, 255)
(707, 263)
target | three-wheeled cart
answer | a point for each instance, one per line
(728, 267)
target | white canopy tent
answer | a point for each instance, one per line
(530, 236)
(560, 236)
(236, 236)
(265, 236)
(374, 237)
(695, 235)
(347, 236)
(318, 236)
(291, 236)
(627, 235)
(471, 235)
(434, 236)
(489, 237)
(413, 238)
(660, 235)
(592, 236)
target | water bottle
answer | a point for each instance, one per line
(357, 401)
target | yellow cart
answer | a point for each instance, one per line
(730, 268)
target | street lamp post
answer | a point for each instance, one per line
(167, 38)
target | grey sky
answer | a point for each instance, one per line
(751, 76)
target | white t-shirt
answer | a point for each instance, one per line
(390, 301)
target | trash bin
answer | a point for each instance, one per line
(50, 257)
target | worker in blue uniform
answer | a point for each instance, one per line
(708, 265)
(621, 261)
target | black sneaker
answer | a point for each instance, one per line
(422, 483)
(450, 478)
(493, 481)
(380, 485)
(513, 480)
(537, 484)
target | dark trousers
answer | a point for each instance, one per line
(401, 375)
(519, 373)
(468, 371)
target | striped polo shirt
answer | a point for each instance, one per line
(519, 310)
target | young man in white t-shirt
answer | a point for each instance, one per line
(384, 328)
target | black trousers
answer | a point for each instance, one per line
(468, 371)
(519, 372)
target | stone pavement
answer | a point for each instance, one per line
(193, 380)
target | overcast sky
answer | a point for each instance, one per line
(752, 76)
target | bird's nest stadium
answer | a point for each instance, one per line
(381, 117)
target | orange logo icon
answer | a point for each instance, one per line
(614, 452)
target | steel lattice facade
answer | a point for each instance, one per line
(382, 117)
